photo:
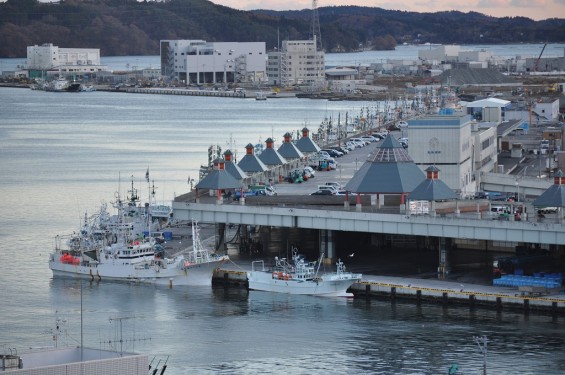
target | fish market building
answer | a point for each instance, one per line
(67, 61)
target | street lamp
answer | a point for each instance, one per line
(225, 73)
(214, 65)
(197, 70)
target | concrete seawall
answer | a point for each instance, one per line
(445, 293)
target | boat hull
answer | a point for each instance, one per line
(194, 275)
(323, 286)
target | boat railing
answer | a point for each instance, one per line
(260, 263)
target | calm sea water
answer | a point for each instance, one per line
(64, 153)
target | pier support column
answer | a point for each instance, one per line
(443, 268)
(358, 205)
(219, 198)
(346, 201)
(327, 245)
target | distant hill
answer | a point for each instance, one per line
(129, 27)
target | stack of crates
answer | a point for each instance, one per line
(548, 280)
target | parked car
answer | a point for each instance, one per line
(344, 192)
(368, 138)
(333, 153)
(378, 136)
(336, 185)
(547, 210)
(402, 124)
(324, 154)
(264, 189)
(362, 141)
(351, 146)
(331, 188)
(309, 171)
(343, 150)
(322, 192)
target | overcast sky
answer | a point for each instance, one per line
(535, 9)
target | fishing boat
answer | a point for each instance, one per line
(122, 247)
(58, 85)
(301, 277)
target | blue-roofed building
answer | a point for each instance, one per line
(288, 150)
(389, 170)
(218, 180)
(271, 157)
(306, 144)
(250, 163)
(233, 168)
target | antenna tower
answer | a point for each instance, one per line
(316, 33)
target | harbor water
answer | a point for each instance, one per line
(62, 154)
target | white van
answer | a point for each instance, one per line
(263, 189)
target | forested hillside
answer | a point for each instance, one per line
(129, 27)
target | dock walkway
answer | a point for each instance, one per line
(427, 290)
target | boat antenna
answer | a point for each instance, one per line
(81, 331)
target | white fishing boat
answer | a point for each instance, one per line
(301, 277)
(58, 85)
(117, 248)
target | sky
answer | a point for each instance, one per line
(535, 9)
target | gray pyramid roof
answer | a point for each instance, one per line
(388, 170)
(288, 150)
(554, 196)
(219, 179)
(233, 168)
(250, 163)
(270, 156)
(305, 144)
(432, 189)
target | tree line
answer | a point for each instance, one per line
(129, 27)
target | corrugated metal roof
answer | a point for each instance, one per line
(250, 163)
(488, 103)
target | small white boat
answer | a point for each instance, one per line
(260, 96)
(301, 277)
(87, 88)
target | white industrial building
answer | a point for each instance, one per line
(199, 62)
(444, 53)
(298, 62)
(457, 145)
(66, 60)
(542, 111)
